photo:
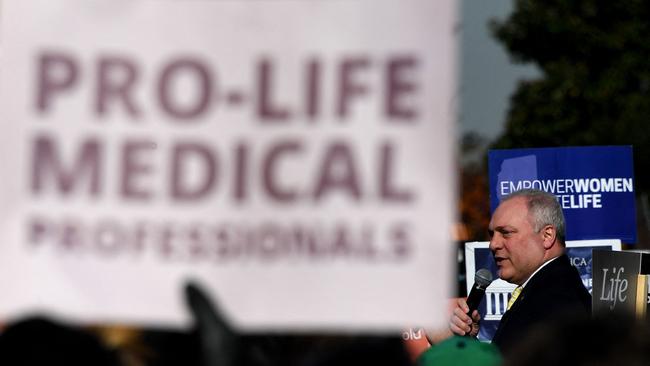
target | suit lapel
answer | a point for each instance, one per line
(530, 286)
(507, 316)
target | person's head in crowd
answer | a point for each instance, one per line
(526, 230)
(611, 340)
(40, 341)
(460, 351)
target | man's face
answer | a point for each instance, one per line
(518, 250)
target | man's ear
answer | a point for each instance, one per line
(549, 235)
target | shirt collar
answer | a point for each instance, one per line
(537, 270)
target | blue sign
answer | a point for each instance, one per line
(594, 185)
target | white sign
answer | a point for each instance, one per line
(293, 157)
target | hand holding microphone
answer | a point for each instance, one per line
(482, 279)
(465, 318)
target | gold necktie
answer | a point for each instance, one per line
(513, 298)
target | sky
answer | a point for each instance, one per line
(487, 76)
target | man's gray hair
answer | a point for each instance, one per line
(544, 209)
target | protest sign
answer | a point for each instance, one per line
(293, 157)
(594, 185)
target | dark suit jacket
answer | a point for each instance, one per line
(555, 291)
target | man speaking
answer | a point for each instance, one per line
(527, 242)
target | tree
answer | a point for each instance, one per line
(595, 83)
(474, 205)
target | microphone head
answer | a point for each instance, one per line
(483, 277)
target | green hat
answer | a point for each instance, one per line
(460, 351)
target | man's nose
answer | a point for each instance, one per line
(495, 243)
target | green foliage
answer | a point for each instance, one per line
(595, 85)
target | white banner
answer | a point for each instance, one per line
(293, 157)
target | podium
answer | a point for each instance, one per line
(620, 282)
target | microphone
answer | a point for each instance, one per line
(482, 279)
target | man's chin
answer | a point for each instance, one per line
(503, 275)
